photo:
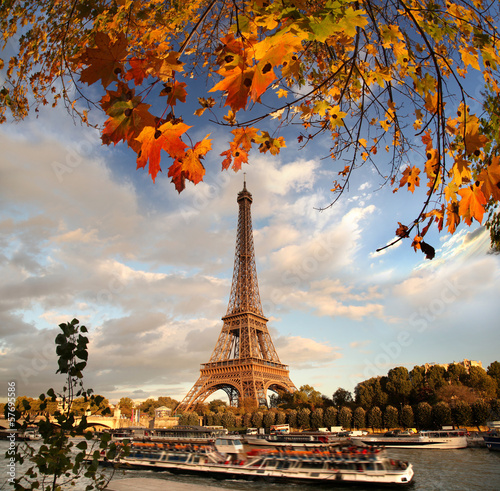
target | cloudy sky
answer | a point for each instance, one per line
(148, 271)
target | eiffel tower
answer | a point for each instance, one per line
(244, 363)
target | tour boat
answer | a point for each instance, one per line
(184, 433)
(492, 440)
(440, 439)
(299, 440)
(227, 459)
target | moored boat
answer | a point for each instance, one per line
(492, 440)
(439, 439)
(227, 459)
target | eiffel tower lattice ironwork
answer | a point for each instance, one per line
(244, 363)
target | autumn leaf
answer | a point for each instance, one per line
(490, 177)
(105, 60)
(154, 140)
(236, 84)
(189, 166)
(402, 231)
(472, 204)
(452, 216)
(410, 178)
(175, 92)
(128, 115)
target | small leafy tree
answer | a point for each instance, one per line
(424, 416)
(375, 418)
(58, 462)
(330, 416)
(359, 418)
(390, 417)
(407, 418)
(304, 418)
(317, 418)
(345, 417)
(441, 414)
(461, 413)
(480, 412)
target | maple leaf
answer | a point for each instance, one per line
(153, 140)
(138, 70)
(411, 178)
(189, 166)
(490, 178)
(472, 204)
(474, 140)
(128, 115)
(105, 60)
(236, 83)
(452, 216)
(267, 143)
(175, 92)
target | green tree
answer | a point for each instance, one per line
(375, 418)
(59, 461)
(480, 412)
(228, 420)
(292, 418)
(481, 382)
(370, 393)
(417, 378)
(189, 418)
(342, 397)
(441, 415)
(456, 374)
(435, 377)
(494, 368)
(269, 419)
(399, 385)
(126, 404)
(330, 416)
(391, 417)
(280, 417)
(461, 413)
(217, 406)
(317, 418)
(407, 418)
(359, 418)
(257, 419)
(424, 416)
(345, 417)
(304, 418)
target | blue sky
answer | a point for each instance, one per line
(148, 271)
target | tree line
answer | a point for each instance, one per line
(425, 397)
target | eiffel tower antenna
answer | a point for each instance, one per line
(244, 363)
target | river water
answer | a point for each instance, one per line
(435, 470)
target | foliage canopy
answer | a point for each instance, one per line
(382, 79)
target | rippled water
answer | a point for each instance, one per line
(435, 470)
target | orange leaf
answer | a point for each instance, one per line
(452, 217)
(472, 204)
(490, 178)
(411, 178)
(189, 166)
(127, 117)
(175, 91)
(153, 140)
(236, 83)
(105, 61)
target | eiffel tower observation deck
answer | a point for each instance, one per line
(244, 363)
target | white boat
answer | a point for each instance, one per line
(440, 439)
(226, 459)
